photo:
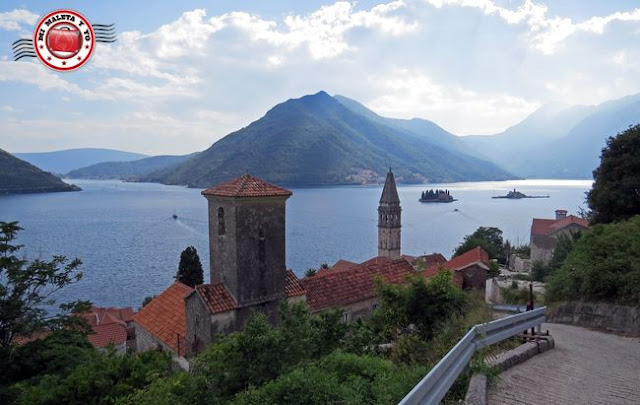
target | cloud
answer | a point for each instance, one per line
(35, 73)
(14, 20)
(546, 34)
(406, 94)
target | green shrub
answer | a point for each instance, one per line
(603, 266)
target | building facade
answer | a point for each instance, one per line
(545, 233)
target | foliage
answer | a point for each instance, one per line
(420, 303)
(310, 272)
(147, 300)
(494, 268)
(523, 251)
(338, 378)
(26, 289)
(489, 238)
(603, 266)
(615, 194)
(58, 353)
(18, 176)
(102, 381)
(190, 268)
(237, 361)
(515, 295)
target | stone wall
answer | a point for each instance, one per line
(198, 324)
(608, 317)
(145, 341)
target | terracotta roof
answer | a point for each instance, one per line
(23, 340)
(293, 286)
(164, 317)
(216, 297)
(102, 335)
(106, 315)
(473, 256)
(247, 186)
(376, 260)
(547, 226)
(433, 270)
(340, 265)
(432, 259)
(357, 284)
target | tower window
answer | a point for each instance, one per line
(262, 251)
(221, 227)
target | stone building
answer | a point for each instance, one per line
(545, 233)
(469, 269)
(389, 220)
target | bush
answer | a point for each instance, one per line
(340, 377)
(603, 266)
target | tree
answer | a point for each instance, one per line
(310, 272)
(26, 289)
(190, 268)
(616, 189)
(489, 238)
(601, 266)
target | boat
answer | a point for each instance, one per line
(516, 195)
(436, 196)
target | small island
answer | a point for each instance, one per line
(436, 196)
(516, 195)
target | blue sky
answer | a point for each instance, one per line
(183, 74)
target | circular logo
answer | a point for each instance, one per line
(64, 40)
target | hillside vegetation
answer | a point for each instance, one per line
(18, 176)
(131, 170)
(316, 140)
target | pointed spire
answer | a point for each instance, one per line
(390, 192)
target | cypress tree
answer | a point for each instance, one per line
(190, 268)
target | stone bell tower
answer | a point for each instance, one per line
(247, 241)
(389, 222)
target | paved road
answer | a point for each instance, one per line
(586, 367)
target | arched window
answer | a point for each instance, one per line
(262, 251)
(221, 227)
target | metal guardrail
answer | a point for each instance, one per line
(434, 386)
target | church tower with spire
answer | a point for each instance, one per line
(389, 221)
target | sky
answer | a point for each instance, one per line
(184, 74)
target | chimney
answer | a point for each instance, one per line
(561, 214)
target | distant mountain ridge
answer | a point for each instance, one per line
(560, 142)
(321, 140)
(131, 170)
(64, 161)
(18, 177)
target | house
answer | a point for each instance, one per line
(111, 326)
(469, 269)
(545, 233)
(161, 324)
(353, 290)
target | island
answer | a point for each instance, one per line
(516, 195)
(436, 196)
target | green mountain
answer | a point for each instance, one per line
(317, 140)
(127, 170)
(18, 176)
(63, 161)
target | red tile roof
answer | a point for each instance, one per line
(547, 226)
(102, 315)
(356, 284)
(432, 259)
(164, 317)
(113, 332)
(293, 287)
(247, 186)
(216, 297)
(433, 270)
(473, 256)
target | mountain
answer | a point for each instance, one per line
(63, 161)
(18, 176)
(127, 170)
(428, 129)
(558, 141)
(317, 140)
